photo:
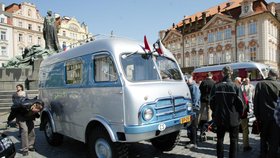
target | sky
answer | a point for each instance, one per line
(125, 18)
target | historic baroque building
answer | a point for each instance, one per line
(72, 33)
(21, 26)
(237, 30)
(6, 35)
(27, 26)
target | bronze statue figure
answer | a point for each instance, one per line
(50, 33)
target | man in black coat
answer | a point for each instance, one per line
(205, 89)
(265, 101)
(227, 106)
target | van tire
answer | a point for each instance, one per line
(100, 137)
(166, 142)
(54, 139)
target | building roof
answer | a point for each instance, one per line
(232, 8)
(212, 11)
(13, 7)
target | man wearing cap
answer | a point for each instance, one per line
(265, 102)
(227, 106)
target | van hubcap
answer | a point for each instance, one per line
(48, 130)
(102, 148)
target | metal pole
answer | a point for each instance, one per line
(183, 40)
(183, 44)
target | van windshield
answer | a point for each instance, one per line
(149, 67)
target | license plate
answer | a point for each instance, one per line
(185, 119)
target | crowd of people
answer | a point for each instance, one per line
(230, 103)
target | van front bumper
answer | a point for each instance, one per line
(137, 133)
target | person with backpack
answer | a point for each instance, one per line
(265, 102)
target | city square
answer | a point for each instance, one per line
(207, 84)
(72, 148)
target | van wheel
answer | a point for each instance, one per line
(54, 139)
(100, 145)
(166, 142)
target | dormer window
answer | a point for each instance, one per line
(247, 7)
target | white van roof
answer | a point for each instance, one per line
(238, 65)
(112, 44)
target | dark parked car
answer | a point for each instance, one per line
(7, 147)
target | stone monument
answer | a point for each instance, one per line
(50, 33)
(24, 68)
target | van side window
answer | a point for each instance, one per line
(104, 69)
(74, 72)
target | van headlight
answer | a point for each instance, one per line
(148, 114)
(189, 106)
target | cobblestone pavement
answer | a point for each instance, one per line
(73, 149)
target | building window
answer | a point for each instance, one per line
(2, 20)
(201, 59)
(210, 37)
(64, 46)
(104, 69)
(211, 58)
(200, 40)
(219, 36)
(240, 30)
(20, 37)
(74, 72)
(29, 26)
(39, 28)
(194, 60)
(4, 51)
(29, 12)
(241, 56)
(39, 41)
(3, 36)
(228, 33)
(30, 39)
(20, 24)
(253, 53)
(253, 28)
(64, 33)
(228, 56)
(219, 58)
(187, 63)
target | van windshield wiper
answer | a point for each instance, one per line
(128, 55)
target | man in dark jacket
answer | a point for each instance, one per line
(195, 94)
(26, 112)
(265, 101)
(205, 89)
(227, 106)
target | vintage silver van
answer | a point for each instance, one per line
(110, 92)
